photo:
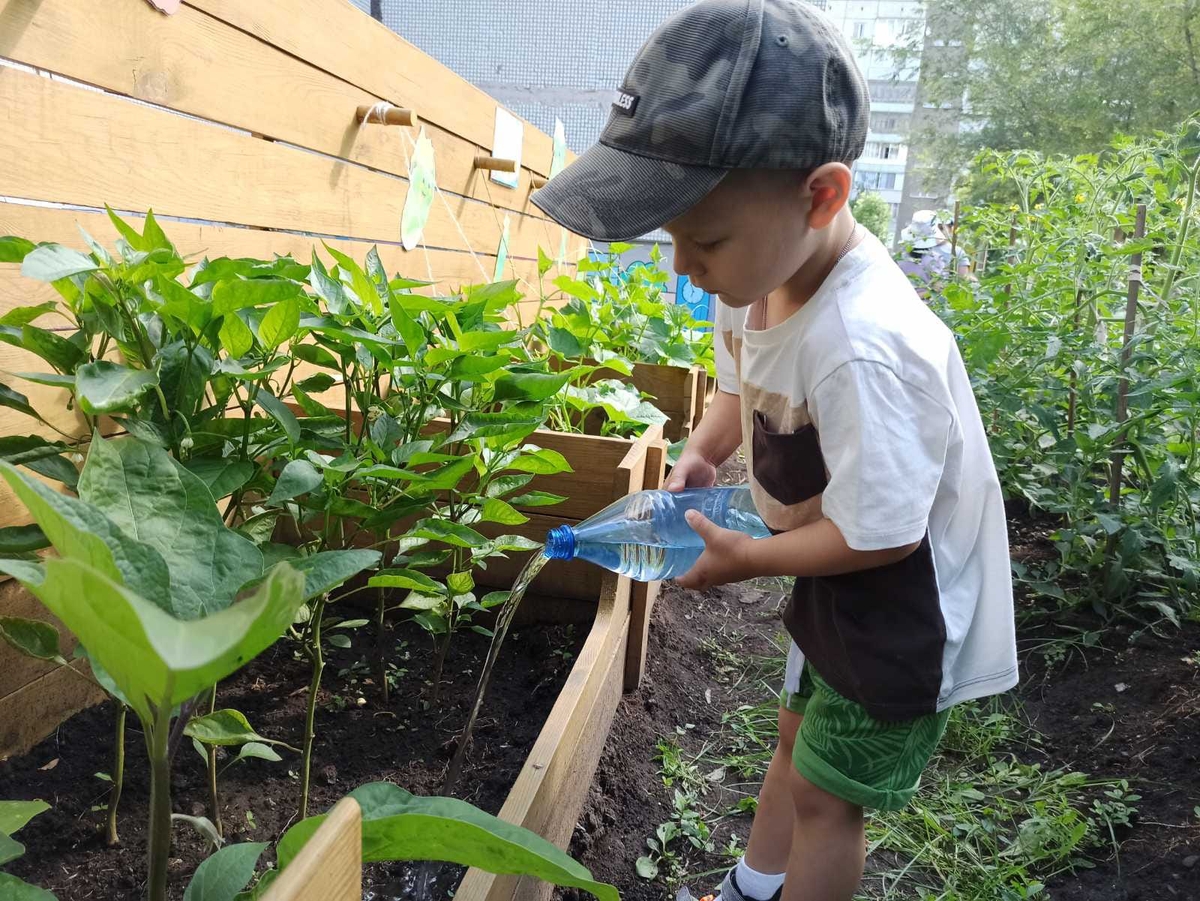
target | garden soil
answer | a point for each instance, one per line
(405, 743)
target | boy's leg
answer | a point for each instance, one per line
(828, 845)
(770, 842)
(845, 760)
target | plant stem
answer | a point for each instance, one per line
(118, 774)
(160, 805)
(439, 663)
(381, 646)
(214, 798)
(314, 685)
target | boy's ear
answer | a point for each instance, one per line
(829, 186)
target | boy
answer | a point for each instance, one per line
(734, 130)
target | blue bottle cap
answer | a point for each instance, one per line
(560, 543)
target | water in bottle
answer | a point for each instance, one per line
(645, 535)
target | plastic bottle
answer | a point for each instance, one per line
(645, 535)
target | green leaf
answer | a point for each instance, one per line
(646, 868)
(22, 539)
(238, 294)
(31, 637)
(14, 400)
(280, 323)
(157, 660)
(536, 499)
(545, 264)
(362, 285)
(19, 316)
(225, 727)
(105, 387)
(540, 461)
(460, 583)
(563, 342)
(155, 500)
(222, 476)
(50, 262)
(441, 479)
(80, 531)
(236, 337)
(183, 304)
(298, 477)
(49, 379)
(14, 815)
(339, 641)
(417, 601)
(14, 889)
(502, 485)
(494, 599)
(326, 570)
(153, 235)
(496, 510)
(315, 354)
(10, 850)
(448, 532)
(513, 426)
(14, 250)
(513, 543)
(401, 826)
(406, 578)
(529, 386)
(278, 411)
(126, 231)
(258, 751)
(575, 288)
(225, 873)
(54, 349)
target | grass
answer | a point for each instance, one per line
(989, 824)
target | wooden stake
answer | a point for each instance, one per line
(1135, 285)
(538, 181)
(495, 164)
(394, 115)
(954, 239)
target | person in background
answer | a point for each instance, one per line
(928, 255)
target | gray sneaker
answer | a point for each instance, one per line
(729, 891)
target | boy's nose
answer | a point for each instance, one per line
(685, 265)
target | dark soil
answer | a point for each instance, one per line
(1151, 737)
(406, 744)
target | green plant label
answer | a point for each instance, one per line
(501, 253)
(422, 186)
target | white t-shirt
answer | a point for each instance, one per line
(858, 408)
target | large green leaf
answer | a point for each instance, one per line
(22, 539)
(53, 348)
(529, 386)
(32, 638)
(367, 293)
(14, 249)
(229, 296)
(278, 411)
(222, 476)
(326, 570)
(297, 478)
(156, 659)
(400, 826)
(153, 499)
(280, 323)
(16, 401)
(540, 461)
(106, 387)
(15, 814)
(224, 727)
(496, 510)
(50, 262)
(225, 873)
(236, 337)
(448, 532)
(81, 532)
(14, 889)
(406, 578)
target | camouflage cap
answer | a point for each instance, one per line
(721, 85)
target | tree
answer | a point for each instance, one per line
(1059, 76)
(873, 213)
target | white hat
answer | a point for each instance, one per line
(922, 232)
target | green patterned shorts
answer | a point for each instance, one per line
(843, 750)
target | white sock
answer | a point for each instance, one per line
(755, 885)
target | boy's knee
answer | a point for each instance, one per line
(814, 803)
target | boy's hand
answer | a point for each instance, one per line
(724, 559)
(692, 471)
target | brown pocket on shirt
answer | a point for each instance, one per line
(788, 465)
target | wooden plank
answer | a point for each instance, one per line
(644, 594)
(552, 786)
(700, 398)
(329, 868)
(31, 713)
(67, 144)
(169, 61)
(673, 389)
(17, 670)
(340, 39)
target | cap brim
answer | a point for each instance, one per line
(613, 195)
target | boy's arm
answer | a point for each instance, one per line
(817, 549)
(717, 436)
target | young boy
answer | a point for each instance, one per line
(734, 131)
